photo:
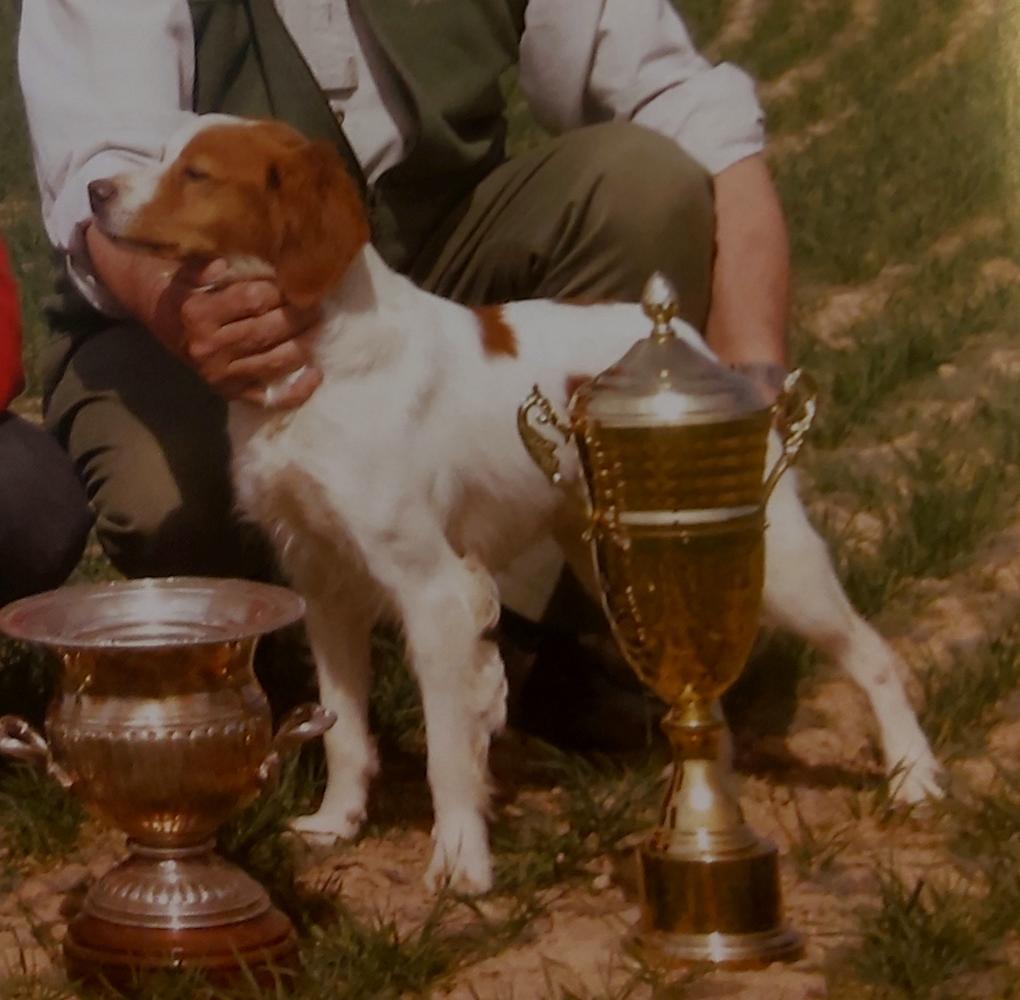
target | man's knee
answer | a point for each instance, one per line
(135, 524)
(644, 206)
(148, 528)
(44, 516)
(150, 442)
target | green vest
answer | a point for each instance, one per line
(449, 56)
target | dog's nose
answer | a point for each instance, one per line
(100, 192)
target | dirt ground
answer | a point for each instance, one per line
(821, 774)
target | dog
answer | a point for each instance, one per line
(401, 486)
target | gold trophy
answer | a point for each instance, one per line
(162, 729)
(672, 449)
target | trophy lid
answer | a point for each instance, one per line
(663, 379)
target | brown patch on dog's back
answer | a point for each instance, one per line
(497, 336)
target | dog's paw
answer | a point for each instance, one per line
(917, 780)
(323, 829)
(460, 859)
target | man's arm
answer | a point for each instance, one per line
(105, 85)
(750, 287)
(591, 60)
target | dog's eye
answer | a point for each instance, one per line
(193, 173)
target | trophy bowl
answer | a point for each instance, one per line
(160, 727)
(672, 450)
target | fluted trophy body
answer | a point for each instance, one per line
(160, 727)
(672, 452)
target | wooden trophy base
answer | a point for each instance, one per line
(263, 948)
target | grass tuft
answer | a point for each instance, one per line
(958, 699)
(814, 849)
(38, 819)
(934, 508)
(395, 706)
(352, 958)
(918, 938)
(257, 840)
(598, 805)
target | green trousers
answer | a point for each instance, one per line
(587, 216)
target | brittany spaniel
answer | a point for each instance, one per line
(401, 486)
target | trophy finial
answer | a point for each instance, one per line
(659, 301)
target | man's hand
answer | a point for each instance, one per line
(240, 337)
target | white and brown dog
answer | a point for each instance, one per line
(401, 485)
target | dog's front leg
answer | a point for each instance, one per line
(448, 606)
(340, 638)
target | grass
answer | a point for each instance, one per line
(27, 677)
(918, 939)
(37, 817)
(398, 719)
(881, 186)
(934, 507)
(985, 824)
(598, 805)
(257, 839)
(894, 152)
(959, 699)
(946, 936)
(921, 327)
(812, 849)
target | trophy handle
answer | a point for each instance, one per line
(541, 449)
(299, 726)
(24, 742)
(793, 412)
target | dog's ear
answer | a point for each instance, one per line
(321, 221)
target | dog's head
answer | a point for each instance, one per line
(258, 190)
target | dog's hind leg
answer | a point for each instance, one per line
(803, 594)
(448, 606)
(340, 638)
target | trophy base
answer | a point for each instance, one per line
(263, 948)
(724, 951)
(724, 910)
(178, 909)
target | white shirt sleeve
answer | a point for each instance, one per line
(106, 83)
(585, 61)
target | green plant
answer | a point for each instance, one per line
(257, 839)
(352, 958)
(38, 819)
(959, 697)
(395, 705)
(813, 849)
(598, 804)
(918, 938)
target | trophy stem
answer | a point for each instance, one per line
(710, 888)
(701, 814)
